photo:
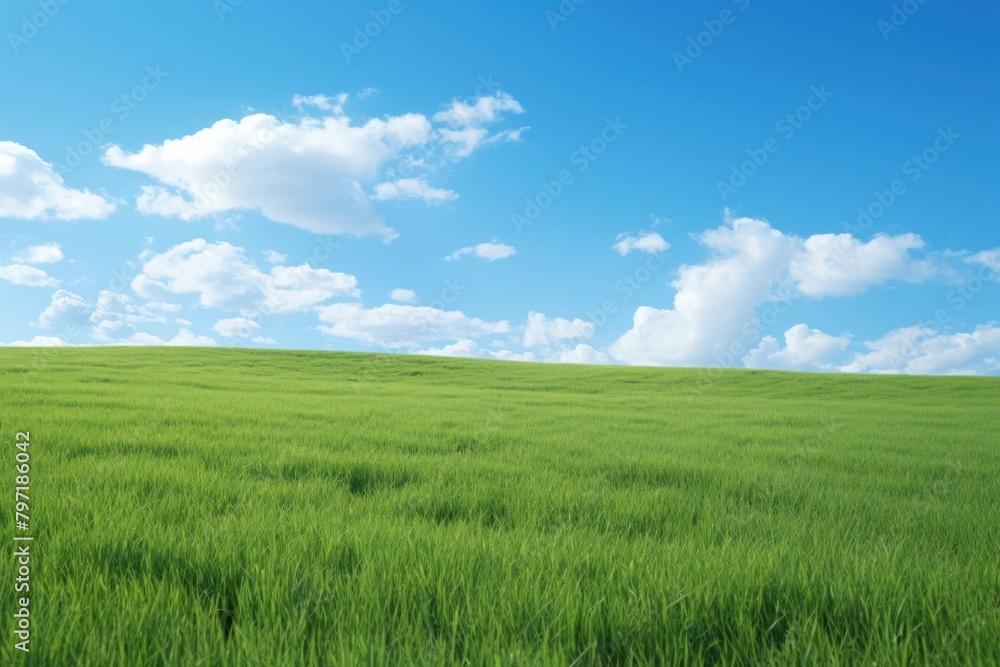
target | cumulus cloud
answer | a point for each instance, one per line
(804, 349)
(413, 188)
(649, 243)
(486, 109)
(491, 252)
(922, 350)
(840, 264)
(541, 331)
(396, 326)
(27, 276)
(471, 349)
(309, 172)
(184, 338)
(714, 300)
(237, 327)
(988, 258)
(50, 253)
(115, 317)
(583, 354)
(66, 311)
(275, 257)
(403, 295)
(37, 341)
(222, 277)
(714, 319)
(31, 190)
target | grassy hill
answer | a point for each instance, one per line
(243, 507)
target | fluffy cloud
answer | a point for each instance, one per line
(467, 132)
(543, 332)
(714, 320)
(485, 110)
(988, 258)
(308, 172)
(31, 190)
(396, 326)
(839, 264)
(275, 257)
(222, 277)
(805, 349)
(37, 341)
(491, 252)
(184, 338)
(27, 276)
(237, 327)
(921, 350)
(413, 188)
(649, 243)
(469, 348)
(583, 354)
(403, 295)
(115, 317)
(40, 254)
(714, 300)
(66, 311)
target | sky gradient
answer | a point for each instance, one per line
(733, 183)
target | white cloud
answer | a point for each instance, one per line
(486, 109)
(184, 338)
(237, 327)
(988, 258)
(50, 253)
(543, 332)
(805, 349)
(37, 341)
(309, 172)
(469, 348)
(27, 276)
(715, 300)
(921, 350)
(488, 251)
(413, 188)
(323, 102)
(583, 354)
(274, 257)
(221, 276)
(403, 295)
(650, 243)
(714, 320)
(397, 326)
(304, 174)
(66, 311)
(31, 190)
(466, 132)
(115, 316)
(840, 264)
(263, 340)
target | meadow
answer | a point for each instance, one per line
(244, 507)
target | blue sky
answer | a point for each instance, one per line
(732, 183)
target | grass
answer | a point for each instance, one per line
(237, 507)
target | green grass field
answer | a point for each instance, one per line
(235, 507)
